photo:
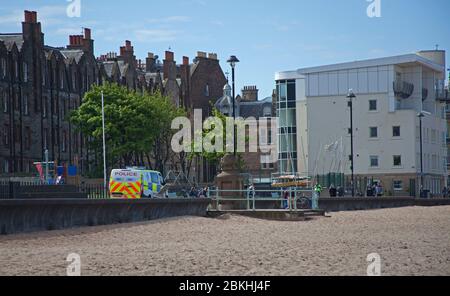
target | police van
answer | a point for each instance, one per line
(135, 183)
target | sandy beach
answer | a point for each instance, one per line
(410, 241)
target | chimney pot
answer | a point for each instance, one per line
(128, 44)
(151, 55)
(201, 54)
(34, 16)
(185, 61)
(27, 16)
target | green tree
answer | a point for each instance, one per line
(134, 124)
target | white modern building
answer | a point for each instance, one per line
(314, 121)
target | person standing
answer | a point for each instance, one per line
(318, 189)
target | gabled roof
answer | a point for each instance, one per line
(11, 39)
(72, 55)
(109, 67)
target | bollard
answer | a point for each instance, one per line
(315, 200)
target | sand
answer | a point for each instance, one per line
(410, 241)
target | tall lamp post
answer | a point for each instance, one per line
(233, 60)
(421, 115)
(351, 96)
(105, 184)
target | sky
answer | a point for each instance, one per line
(266, 36)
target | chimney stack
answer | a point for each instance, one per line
(150, 62)
(169, 66)
(250, 93)
(169, 56)
(87, 34)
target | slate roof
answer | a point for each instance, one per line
(10, 39)
(255, 109)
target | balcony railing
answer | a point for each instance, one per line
(442, 95)
(403, 89)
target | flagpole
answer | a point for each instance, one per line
(104, 143)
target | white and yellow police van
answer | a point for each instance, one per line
(135, 183)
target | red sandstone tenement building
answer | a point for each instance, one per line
(41, 84)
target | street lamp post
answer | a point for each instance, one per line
(350, 98)
(421, 115)
(105, 186)
(233, 60)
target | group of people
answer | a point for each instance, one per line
(374, 190)
(200, 193)
(339, 191)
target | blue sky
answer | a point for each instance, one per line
(267, 36)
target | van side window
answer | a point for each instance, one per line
(154, 178)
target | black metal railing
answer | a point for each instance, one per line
(38, 190)
(94, 191)
(442, 95)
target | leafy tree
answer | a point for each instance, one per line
(135, 125)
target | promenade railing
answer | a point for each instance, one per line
(248, 199)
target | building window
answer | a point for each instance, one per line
(3, 67)
(17, 133)
(44, 107)
(207, 90)
(25, 105)
(373, 105)
(433, 136)
(396, 131)
(5, 102)
(397, 160)
(374, 161)
(6, 166)
(25, 72)
(62, 79)
(398, 185)
(45, 138)
(74, 82)
(373, 132)
(6, 135)
(64, 143)
(291, 95)
(43, 74)
(27, 138)
(269, 136)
